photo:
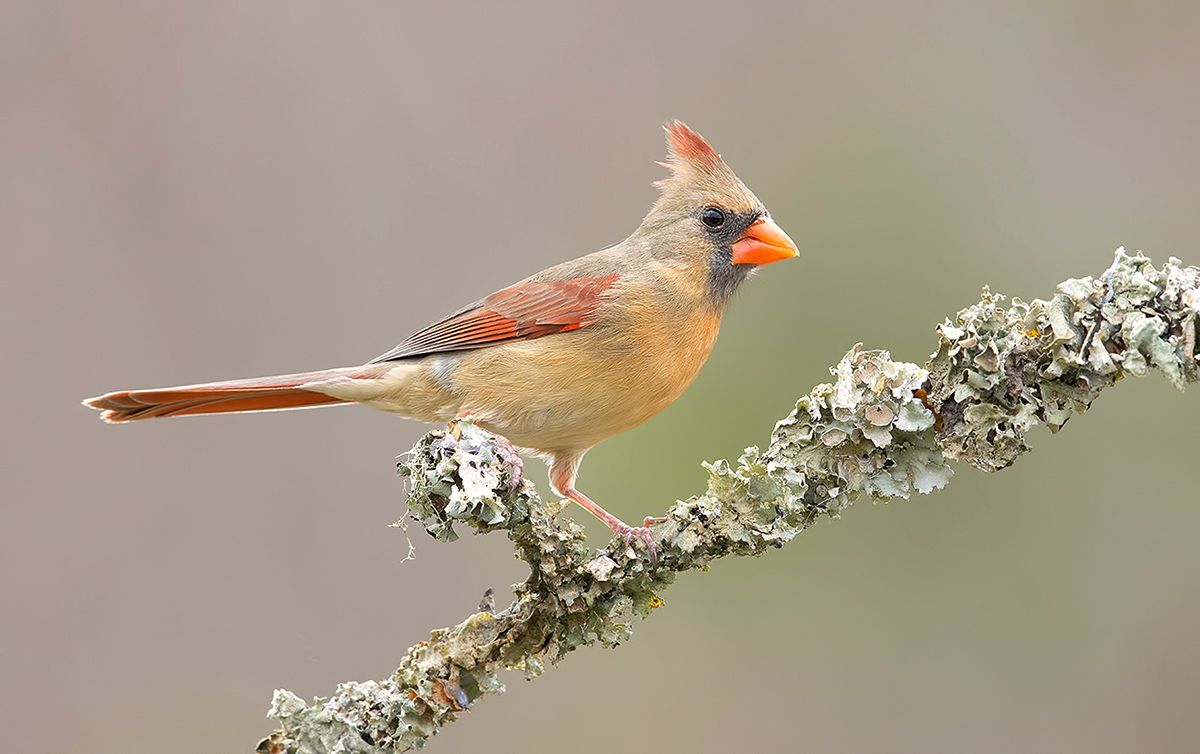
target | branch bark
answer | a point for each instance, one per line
(882, 429)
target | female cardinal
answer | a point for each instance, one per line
(563, 359)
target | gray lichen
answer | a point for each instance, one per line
(882, 429)
(1000, 371)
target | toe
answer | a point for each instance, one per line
(629, 533)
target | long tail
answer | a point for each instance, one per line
(285, 391)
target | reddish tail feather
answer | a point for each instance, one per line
(258, 394)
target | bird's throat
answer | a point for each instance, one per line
(724, 277)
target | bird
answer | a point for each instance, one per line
(563, 359)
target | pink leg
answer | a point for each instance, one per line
(563, 470)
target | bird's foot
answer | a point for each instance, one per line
(641, 533)
(511, 458)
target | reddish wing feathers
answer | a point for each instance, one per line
(520, 312)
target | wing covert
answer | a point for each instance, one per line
(527, 310)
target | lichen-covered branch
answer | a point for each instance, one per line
(882, 429)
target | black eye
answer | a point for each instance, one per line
(712, 217)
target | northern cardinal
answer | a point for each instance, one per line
(563, 359)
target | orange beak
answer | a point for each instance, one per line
(764, 242)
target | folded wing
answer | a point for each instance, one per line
(530, 309)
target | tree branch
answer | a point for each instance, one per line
(883, 429)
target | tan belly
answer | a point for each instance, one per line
(570, 391)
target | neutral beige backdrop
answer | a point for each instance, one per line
(223, 189)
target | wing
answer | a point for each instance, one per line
(524, 311)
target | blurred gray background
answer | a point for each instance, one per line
(213, 190)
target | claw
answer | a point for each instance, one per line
(509, 455)
(629, 533)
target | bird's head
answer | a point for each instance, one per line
(706, 216)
